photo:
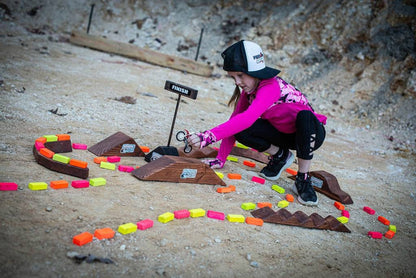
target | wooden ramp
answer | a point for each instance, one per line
(60, 147)
(300, 219)
(117, 144)
(178, 169)
(327, 184)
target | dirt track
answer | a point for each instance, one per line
(38, 74)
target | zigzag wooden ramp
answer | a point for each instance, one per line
(178, 169)
(327, 184)
(60, 147)
(117, 144)
(249, 153)
(300, 219)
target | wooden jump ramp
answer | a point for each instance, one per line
(59, 147)
(178, 170)
(118, 144)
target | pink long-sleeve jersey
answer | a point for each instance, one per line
(274, 100)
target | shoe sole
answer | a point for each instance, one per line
(300, 200)
(288, 163)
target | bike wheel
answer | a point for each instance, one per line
(180, 136)
(187, 149)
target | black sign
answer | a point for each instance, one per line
(180, 89)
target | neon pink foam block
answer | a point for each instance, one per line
(377, 235)
(145, 224)
(113, 159)
(39, 145)
(369, 210)
(345, 213)
(8, 186)
(257, 179)
(179, 214)
(216, 215)
(79, 146)
(80, 184)
(124, 168)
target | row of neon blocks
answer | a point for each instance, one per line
(128, 228)
(58, 184)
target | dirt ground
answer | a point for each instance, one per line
(37, 227)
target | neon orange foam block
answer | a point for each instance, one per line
(82, 239)
(383, 220)
(59, 184)
(264, 204)
(290, 198)
(254, 221)
(46, 152)
(63, 137)
(100, 159)
(389, 234)
(339, 206)
(234, 176)
(144, 149)
(249, 163)
(78, 163)
(104, 233)
(291, 171)
(224, 190)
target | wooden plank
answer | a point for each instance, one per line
(142, 54)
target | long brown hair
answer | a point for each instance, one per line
(235, 97)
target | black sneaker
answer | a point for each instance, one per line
(276, 166)
(304, 189)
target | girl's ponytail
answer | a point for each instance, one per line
(235, 97)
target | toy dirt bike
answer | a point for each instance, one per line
(182, 136)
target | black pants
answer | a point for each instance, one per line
(309, 135)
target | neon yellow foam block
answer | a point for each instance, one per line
(51, 138)
(127, 228)
(38, 186)
(392, 228)
(166, 217)
(61, 158)
(97, 181)
(197, 212)
(232, 158)
(239, 145)
(248, 206)
(282, 204)
(278, 189)
(342, 219)
(219, 174)
(236, 218)
(107, 165)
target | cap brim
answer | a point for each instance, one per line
(265, 73)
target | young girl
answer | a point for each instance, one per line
(269, 116)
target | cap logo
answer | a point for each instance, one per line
(259, 58)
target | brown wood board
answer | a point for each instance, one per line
(330, 187)
(179, 170)
(207, 152)
(57, 166)
(300, 219)
(142, 54)
(117, 144)
(249, 153)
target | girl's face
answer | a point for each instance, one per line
(244, 81)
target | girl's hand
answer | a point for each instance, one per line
(201, 140)
(214, 163)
